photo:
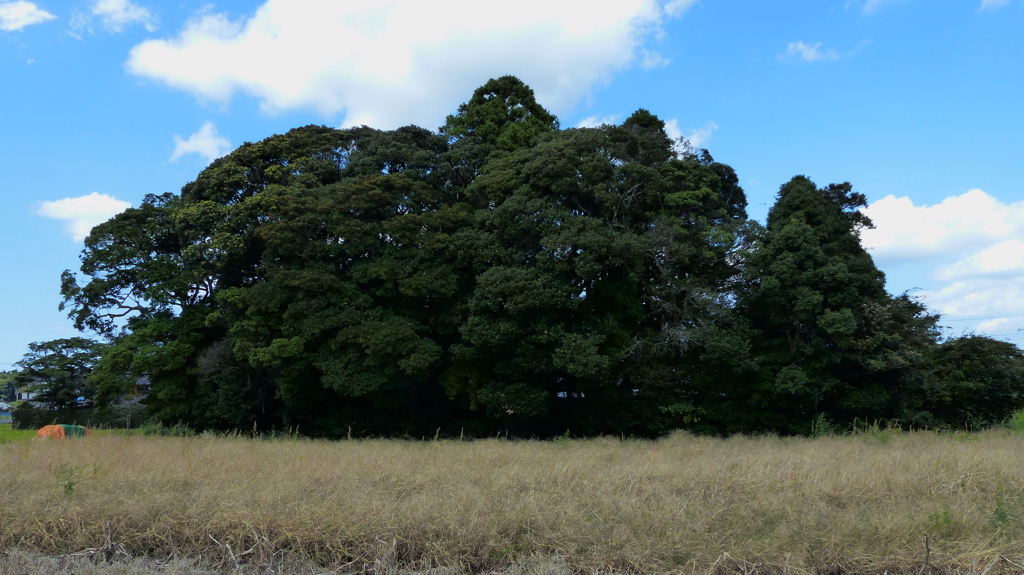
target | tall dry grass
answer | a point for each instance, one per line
(688, 504)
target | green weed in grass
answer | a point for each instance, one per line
(1016, 421)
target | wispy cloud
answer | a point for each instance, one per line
(17, 15)
(699, 138)
(649, 60)
(696, 139)
(206, 142)
(114, 16)
(678, 7)
(808, 52)
(992, 5)
(804, 52)
(594, 121)
(83, 213)
(871, 6)
(377, 61)
(999, 260)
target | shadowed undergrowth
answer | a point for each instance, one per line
(862, 503)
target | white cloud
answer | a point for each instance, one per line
(697, 138)
(808, 52)
(83, 213)
(672, 129)
(978, 303)
(989, 5)
(1002, 259)
(650, 60)
(594, 121)
(965, 223)
(17, 15)
(997, 324)
(206, 142)
(974, 246)
(114, 15)
(676, 8)
(873, 5)
(388, 63)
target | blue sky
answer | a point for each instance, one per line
(916, 102)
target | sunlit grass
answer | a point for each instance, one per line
(860, 503)
(7, 433)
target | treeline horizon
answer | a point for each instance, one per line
(505, 275)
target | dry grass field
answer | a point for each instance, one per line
(851, 504)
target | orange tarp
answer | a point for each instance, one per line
(63, 431)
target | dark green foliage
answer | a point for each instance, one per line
(136, 267)
(978, 382)
(502, 276)
(603, 267)
(8, 387)
(25, 416)
(502, 114)
(57, 370)
(121, 416)
(814, 333)
(811, 281)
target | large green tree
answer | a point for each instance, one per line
(610, 252)
(57, 371)
(978, 381)
(503, 114)
(503, 274)
(507, 275)
(814, 333)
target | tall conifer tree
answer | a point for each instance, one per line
(815, 311)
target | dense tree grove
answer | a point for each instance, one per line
(506, 275)
(58, 371)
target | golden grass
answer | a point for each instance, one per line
(682, 504)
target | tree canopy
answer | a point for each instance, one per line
(817, 330)
(57, 371)
(500, 275)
